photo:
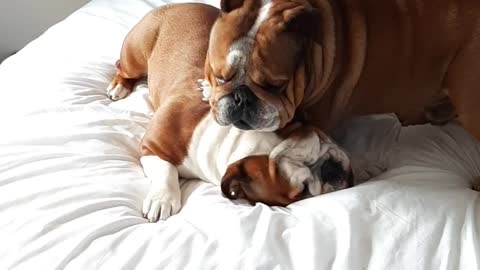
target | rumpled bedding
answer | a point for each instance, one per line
(71, 185)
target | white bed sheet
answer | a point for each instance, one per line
(71, 185)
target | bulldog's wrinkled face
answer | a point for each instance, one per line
(257, 179)
(254, 57)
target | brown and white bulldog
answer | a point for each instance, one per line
(332, 58)
(337, 58)
(183, 139)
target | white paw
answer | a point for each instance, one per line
(117, 92)
(364, 170)
(161, 205)
(205, 88)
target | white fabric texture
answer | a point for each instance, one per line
(71, 184)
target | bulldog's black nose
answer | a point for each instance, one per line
(243, 97)
(238, 108)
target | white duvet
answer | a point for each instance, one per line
(71, 186)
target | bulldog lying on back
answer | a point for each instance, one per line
(183, 139)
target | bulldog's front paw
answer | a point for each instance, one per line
(161, 205)
(364, 170)
(205, 88)
(164, 197)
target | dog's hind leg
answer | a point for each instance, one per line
(120, 87)
(133, 62)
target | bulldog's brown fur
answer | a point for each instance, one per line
(405, 57)
(144, 51)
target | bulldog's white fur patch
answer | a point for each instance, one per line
(164, 197)
(241, 50)
(206, 89)
(262, 15)
(117, 92)
(294, 157)
(213, 147)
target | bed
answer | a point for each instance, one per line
(71, 185)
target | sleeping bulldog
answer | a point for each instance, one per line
(337, 58)
(183, 139)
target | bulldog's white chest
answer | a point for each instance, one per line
(214, 147)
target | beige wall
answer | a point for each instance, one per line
(23, 20)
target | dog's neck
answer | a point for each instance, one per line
(336, 63)
(213, 147)
(322, 53)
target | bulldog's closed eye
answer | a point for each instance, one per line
(220, 81)
(236, 191)
(273, 88)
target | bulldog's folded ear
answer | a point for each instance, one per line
(304, 20)
(308, 157)
(293, 158)
(307, 146)
(305, 149)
